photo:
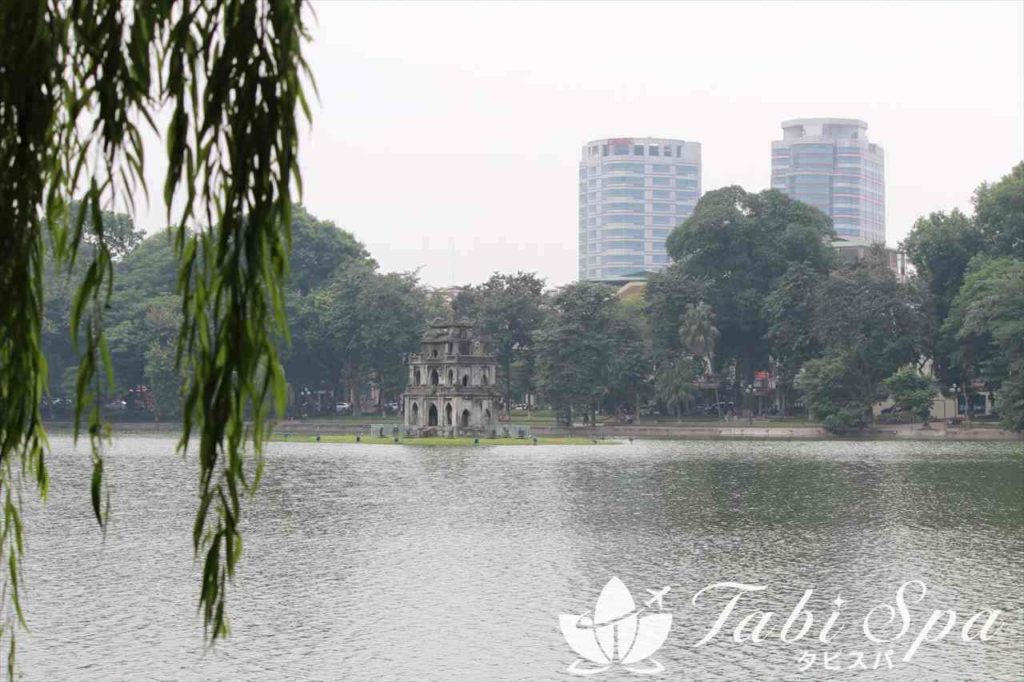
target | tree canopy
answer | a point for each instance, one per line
(78, 84)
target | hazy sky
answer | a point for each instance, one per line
(447, 136)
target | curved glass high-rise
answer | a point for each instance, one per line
(632, 192)
(829, 163)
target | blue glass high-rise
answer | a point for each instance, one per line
(829, 163)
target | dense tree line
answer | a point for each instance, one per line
(754, 290)
(349, 323)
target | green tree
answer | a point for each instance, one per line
(119, 234)
(912, 392)
(987, 319)
(630, 371)
(509, 312)
(324, 260)
(392, 320)
(576, 347)
(868, 325)
(319, 249)
(739, 245)
(147, 274)
(940, 247)
(789, 310)
(699, 336)
(675, 381)
(999, 213)
(162, 373)
(666, 297)
(77, 80)
(837, 394)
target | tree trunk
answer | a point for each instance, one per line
(711, 373)
(508, 389)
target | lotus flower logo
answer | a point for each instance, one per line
(618, 633)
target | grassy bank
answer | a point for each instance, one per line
(433, 441)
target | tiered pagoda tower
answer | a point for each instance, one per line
(451, 382)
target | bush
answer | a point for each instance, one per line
(911, 392)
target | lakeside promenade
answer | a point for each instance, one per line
(656, 431)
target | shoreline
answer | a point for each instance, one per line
(301, 430)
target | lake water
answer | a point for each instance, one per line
(403, 563)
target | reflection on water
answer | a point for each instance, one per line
(391, 562)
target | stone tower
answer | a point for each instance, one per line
(451, 382)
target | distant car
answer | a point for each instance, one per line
(343, 408)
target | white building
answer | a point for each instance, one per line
(632, 193)
(829, 163)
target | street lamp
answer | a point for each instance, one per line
(749, 390)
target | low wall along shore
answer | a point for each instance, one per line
(640, 431)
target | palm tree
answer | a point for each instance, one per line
(674, 382)
(698, 334)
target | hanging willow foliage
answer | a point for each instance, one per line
(78, 79)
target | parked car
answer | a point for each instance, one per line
(343, 409)
(726, 408)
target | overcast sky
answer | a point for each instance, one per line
(447, 136)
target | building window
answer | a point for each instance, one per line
(628, 180)
(652, 150)
(668, 150)
(661, 168)
(620, 149)
(625, 260)
(621, 206)
(628, 234)
(638, 150)
(625, 167)
(631, 219)
(661, 194)
(662, 182)
(624, 193)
